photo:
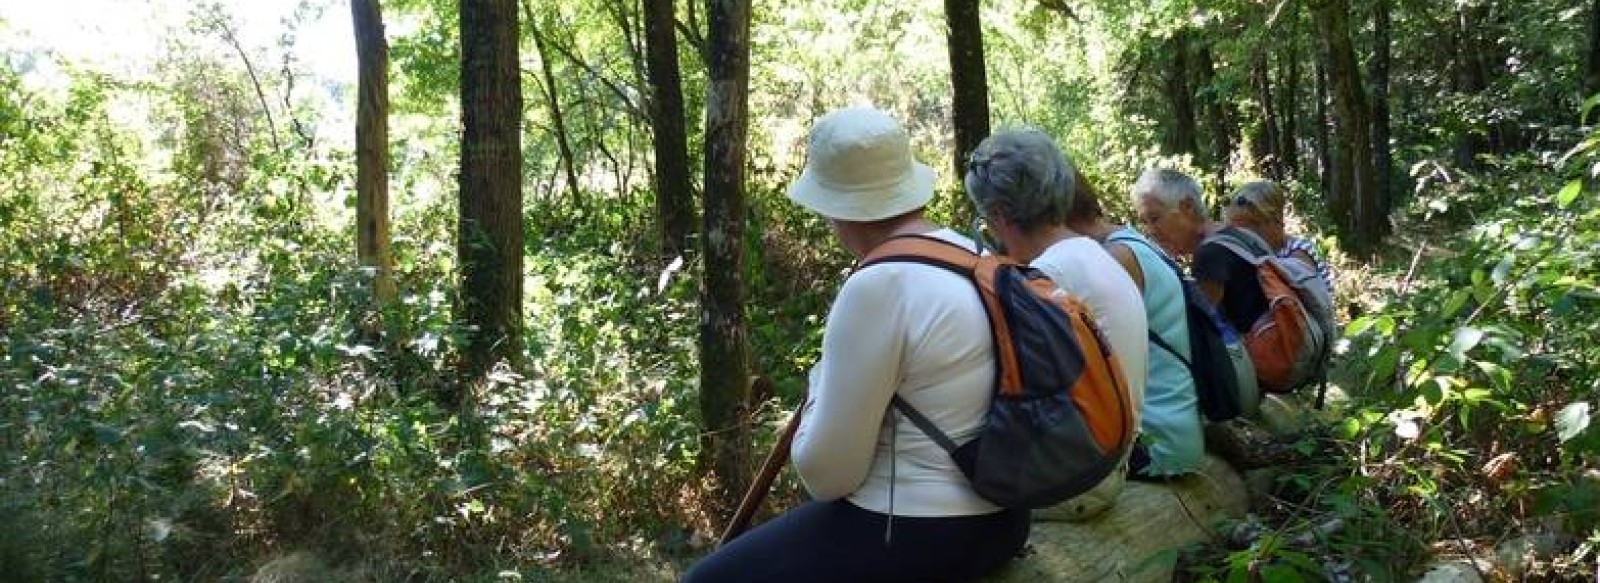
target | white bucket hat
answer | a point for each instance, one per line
(859, 168)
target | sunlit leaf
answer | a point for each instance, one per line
(1572, 420)
(1466, 337)
(1588, 107)
(1407, 429)
(1569, 194)
(1359, 326)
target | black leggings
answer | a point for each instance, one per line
(822, 542)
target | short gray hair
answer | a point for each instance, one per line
(1022, 176)
(1170, 187)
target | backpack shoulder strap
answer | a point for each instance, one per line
(924, 423)
(1156, 339)
(1146, 244)
(922, 249)
(1248, 246)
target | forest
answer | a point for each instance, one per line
(490, 309)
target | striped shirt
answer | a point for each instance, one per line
(1310, 248)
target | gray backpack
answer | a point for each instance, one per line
(1291, 343)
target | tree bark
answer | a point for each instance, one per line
(674, 199)
(1591, 81)
(1324, 149)
(724, 339)
(1362, 223)
(1382, 156)
(1265, 144)
(489, 241)
(1221, 125)
(372, 148)
(1180, 93)
(968, 78)
(563, 140)
(1470, 79)
(1289, 106)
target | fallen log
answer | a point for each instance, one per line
(1138, 539)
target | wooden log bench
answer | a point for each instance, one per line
(1137, 539)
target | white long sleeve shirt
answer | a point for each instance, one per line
(898, 328)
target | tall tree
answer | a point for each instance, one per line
(1470, 78)
(372, 148)
(547, 74)
(489, 236)
(1265, 142)
(1591, 80)
(968, 77)
(674, 199)
(1382, 155)
(724, 338)
(1321, 120)
(1353, 200)
(1180, 93)
(1289, 100)
(1219, 122)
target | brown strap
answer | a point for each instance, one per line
(981, 270)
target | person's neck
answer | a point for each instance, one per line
(908, 225)
(1098, 229)
(1029, 245)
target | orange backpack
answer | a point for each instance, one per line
(1291, 343)
(1061, 418)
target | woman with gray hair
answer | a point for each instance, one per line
(1023, 188)
(1173, 441)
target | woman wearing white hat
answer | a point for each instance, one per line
(889, 503)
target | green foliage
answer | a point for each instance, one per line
(195, 378)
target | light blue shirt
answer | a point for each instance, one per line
(1170, 423)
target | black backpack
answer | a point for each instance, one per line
(1224, 377)
(1061, 418)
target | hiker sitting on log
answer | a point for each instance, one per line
(1259, 207)
(1023, 187)
(1172, 442)
(888, 503)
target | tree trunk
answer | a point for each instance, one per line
(1220, 124)
(1470, 79)
(489, 240)
(674, 199)
(563, 141)
(1362, 223)
(1180, 93)
(372, 148)
(1289, 106)
(1319, 73)
(1591, 81)
(968, 78)
(724, 340)
(1265, 144)
(1382, 156)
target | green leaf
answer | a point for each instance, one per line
(1588, 106)
(1280, 574)
(1569, 194)
(1456, 302)
(1466, 337)
(1572, 420)
(1359, 326)
(1502, 270)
